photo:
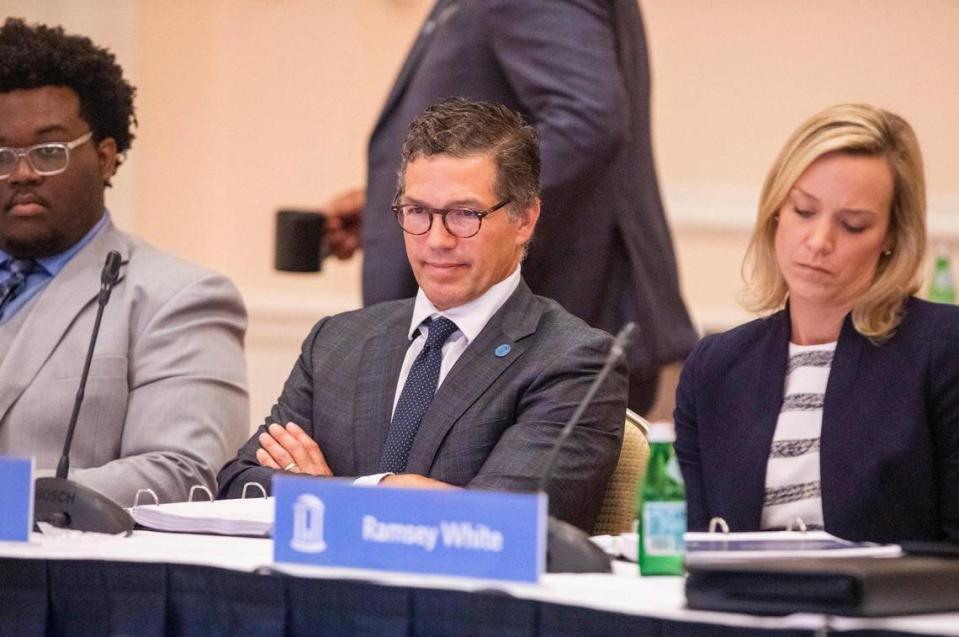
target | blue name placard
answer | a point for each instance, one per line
(485, 534)
(16, 499)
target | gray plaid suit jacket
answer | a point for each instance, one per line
(166, 400)
(491, 423)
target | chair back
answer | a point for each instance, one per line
(617, 513)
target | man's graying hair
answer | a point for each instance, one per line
(461, 128)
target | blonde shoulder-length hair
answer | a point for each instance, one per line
(856, 129)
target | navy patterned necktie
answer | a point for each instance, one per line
(416, 396)
(20, 269)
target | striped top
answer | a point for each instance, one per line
(792, 474)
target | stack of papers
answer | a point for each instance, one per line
(248, 517)
(775, 545)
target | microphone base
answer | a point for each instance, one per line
(66, 504)
(569, 550)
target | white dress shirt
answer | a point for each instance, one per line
(470, 319)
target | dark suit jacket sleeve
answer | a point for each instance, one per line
(687, 442)
(294, 405)
(943, 377)
(589, 455)
(560, 59)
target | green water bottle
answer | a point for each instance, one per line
(942, 288)
(662, 507)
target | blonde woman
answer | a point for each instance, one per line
(841, 407)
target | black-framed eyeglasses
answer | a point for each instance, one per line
(50, 158)
(459, 222)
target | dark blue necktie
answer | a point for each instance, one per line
(20, 269)
(416, 396)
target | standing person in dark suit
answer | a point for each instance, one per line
(507, 367)
(577, 71)
(841, 408)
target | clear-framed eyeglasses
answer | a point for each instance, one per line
(49, 158)
(459, 222)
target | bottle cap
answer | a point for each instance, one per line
(662, 432)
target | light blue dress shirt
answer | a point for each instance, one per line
(49, 268)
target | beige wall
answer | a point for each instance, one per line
(732, 78)
(249, 105)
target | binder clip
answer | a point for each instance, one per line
(796, 524)
(720, 524)
(200, 487)
(252, 484)
(151, 492)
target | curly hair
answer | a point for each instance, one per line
(38, 55)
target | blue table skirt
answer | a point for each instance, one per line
(86, 597)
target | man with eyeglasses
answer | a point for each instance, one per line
(166, 400)
(469, 383)
(578, 72)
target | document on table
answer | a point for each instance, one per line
(775, 545)
(245, 516)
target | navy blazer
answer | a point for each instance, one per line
(889, 457)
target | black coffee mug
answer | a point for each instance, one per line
(299, 241)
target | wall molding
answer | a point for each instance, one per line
(731, 207)
(283, 318)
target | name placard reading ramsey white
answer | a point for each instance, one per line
(483, 534)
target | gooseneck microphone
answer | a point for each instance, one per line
(62, 502)
(616, 352)
(569, 549)
(108, 278)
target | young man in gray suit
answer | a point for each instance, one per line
(469, 383)
(166, 400)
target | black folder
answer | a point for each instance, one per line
(855, 586)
